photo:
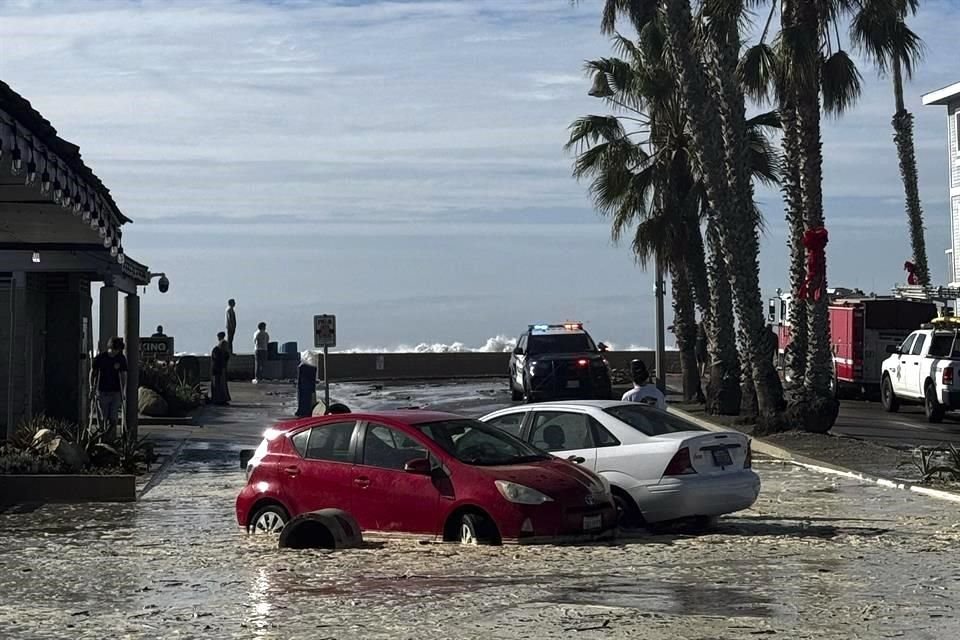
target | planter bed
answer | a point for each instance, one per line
(66, 488)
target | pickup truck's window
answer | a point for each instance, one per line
(907, 345)
(918, 345)
(942, 346)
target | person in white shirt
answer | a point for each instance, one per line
(643, 390)
(260, 341)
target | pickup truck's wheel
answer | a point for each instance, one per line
(931, 404)
(889, 400)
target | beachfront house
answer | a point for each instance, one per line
(949, 97)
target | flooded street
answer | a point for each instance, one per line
(816, 557)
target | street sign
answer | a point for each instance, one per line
(153, 348)
(325, 331)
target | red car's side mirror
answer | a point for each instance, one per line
(418, 465)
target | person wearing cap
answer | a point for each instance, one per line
(108, 377)
(643, 389)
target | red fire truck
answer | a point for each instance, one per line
(862, 327)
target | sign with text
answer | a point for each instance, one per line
(153, 348)
(325, 331)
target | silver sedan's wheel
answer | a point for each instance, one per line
(269, 520)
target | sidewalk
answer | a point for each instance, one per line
(218, 432)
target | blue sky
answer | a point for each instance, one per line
(400, 164)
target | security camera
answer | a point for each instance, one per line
(163, 284)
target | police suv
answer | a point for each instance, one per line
(559, 361)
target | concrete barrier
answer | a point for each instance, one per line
(65, 488)
(412, 366)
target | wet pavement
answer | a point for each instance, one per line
(817, 557)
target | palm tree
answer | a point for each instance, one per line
(880, 30)
(721, 153)
(641, 177)
(807, 63)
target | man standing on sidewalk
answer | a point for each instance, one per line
(260, 341)
(231, 321)
(108, 377)
(643, 390)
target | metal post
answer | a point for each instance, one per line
(132, 329)
(661, 356)
(326, 379)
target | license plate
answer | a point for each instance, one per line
(573, 384)
(592, 523)
(721, 458)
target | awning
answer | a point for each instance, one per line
(48, 196)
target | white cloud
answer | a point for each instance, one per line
(401, 118)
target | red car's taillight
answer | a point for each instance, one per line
(948, 376)
(748, 461)
(680, 464)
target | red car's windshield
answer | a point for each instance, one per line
(473, 442)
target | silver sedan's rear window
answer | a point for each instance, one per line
(650, 421)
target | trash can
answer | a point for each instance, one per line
(289, 348)
(306, 384)
(306, 389)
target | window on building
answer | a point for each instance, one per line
(956, 131)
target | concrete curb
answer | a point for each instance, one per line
(819, 466)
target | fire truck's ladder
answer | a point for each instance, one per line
(936, 294)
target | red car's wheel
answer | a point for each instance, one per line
(270, 519)
(476, 529)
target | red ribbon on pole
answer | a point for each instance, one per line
(911, 270)
(814, 285)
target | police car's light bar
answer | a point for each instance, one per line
(567, 326)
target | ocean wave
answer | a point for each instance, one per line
(497, 344)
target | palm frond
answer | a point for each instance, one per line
(625, 47)
(840, 83)
(638, 12)
(764, 158)
(765, 120)
(757, 71)
(879, 30)
(591, 129)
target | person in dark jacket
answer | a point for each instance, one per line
(108, 378)
(219, 358)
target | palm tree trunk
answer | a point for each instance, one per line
(796, 355)
(903, 138)
(723, 389)
(731, 203)
(685, 330)
(822, 409)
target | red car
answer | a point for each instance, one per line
(425, 473)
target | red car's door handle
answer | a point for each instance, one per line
(363, 483)
(292, 471)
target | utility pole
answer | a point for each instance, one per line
(660, 356)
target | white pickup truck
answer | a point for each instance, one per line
(924, 369)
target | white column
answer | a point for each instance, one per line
(108, 316)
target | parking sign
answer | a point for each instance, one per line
(325, 331)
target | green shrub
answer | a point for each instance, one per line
(161, 377)
(21, 462)
(23, 436)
